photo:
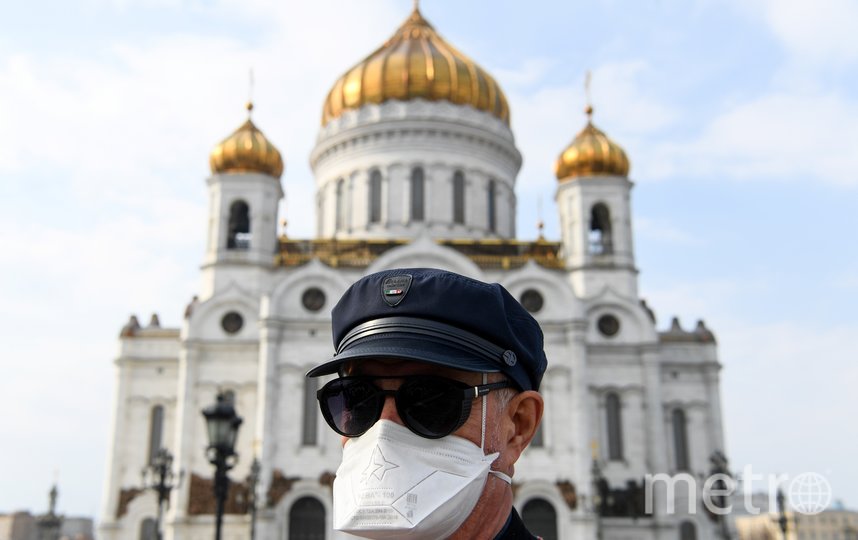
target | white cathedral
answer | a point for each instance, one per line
(415, 166)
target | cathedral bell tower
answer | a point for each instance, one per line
(244, 192)
(593, 199)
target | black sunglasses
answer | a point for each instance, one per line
(430, 406)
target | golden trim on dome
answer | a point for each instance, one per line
(246, 150)
(591, 153)
(415, 63)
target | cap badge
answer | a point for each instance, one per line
(509, 358)
(394, 289)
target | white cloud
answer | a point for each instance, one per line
(124, 139)
(532, 71)
(816, 32)
(776, 137)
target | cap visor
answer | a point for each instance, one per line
(403, 347)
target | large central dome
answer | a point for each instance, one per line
(416, 63)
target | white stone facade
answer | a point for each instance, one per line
(612, 385)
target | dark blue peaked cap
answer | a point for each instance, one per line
(435, 316)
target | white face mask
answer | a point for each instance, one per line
(393, 483)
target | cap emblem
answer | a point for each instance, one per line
(509, 358)
(394, 289)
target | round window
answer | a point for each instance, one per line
(608, 325)
(232, 322)
(532, 300)
(313, 299)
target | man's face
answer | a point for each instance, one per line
(470, 430)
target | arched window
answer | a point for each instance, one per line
(307, 520)
(492, 206)
(615, 426)
(374, 197)
(680, 440)
(238, 231)
(418, 194)
(341, 205)
(687, 531)
(540, 518)
(311, 409)
(600, 230)
(458, 197)
(156, 430)
(149, 529)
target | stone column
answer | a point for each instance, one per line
(656, 450)
(267, 392)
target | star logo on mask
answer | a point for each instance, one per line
(378, 466)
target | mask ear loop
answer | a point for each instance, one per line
(484, 406)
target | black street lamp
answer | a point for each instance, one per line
(252, 483)
(599, 493)
(720, 467)
(222, 424)
(783, 518)
(159, 476)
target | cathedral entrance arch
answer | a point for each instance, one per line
(306, 520)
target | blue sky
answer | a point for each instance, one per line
(740, 119)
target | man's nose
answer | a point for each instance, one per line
(389, 412)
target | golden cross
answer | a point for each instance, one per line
(250, 92)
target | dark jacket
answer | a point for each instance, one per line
(514, 529)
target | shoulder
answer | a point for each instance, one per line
(515, 529)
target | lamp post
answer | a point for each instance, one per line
(783, 520)
(159, 476)
(222, 424)
(720, 467)
(252, 482)
(597, 481)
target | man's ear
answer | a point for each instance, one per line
(522, 415)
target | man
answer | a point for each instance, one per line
(436, 399)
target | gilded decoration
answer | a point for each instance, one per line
(591, 153)
(246, 150)
(201, 499)
(487, 254)
(414, 63)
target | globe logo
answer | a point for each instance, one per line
(809, 493)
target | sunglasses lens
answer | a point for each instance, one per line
(432, 407)
(351, 406)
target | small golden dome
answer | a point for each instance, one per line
(416, 63)
(591, 153)
(247, 149)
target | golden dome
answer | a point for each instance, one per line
(591, 153)
(416, 63)
(247, 149)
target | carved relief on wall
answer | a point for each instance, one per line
(567, 490)
(202, 499)
(327, 479)
(280, 486)
(125, 498)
